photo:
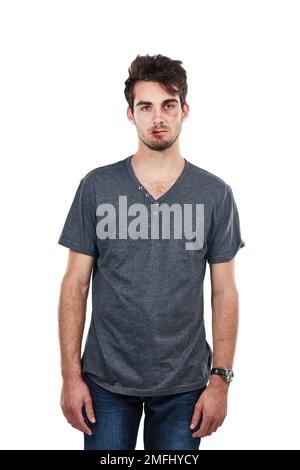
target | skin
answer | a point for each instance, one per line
(72, 309)
(212, 404)
(157, 164)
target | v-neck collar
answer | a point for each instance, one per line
(141, 187)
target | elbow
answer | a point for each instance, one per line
(72, 282)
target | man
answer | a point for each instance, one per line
(145, 226)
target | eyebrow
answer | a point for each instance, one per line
(169, 100)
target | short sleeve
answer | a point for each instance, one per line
(226, 237)
(79, 230)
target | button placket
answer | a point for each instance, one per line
(154, 205)
(141, 188)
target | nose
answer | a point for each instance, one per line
(157, 122)
(156, 117)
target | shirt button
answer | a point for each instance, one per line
(156, 203)
(140, 188)
(147, 194)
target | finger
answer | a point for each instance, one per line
(222, 421)
(204, 427)
(84, 427)
(78, 422)
(215, 424)
(197, 414)
(212, 427)
(219, 423)
(89, 409)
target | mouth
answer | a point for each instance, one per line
(158, 132)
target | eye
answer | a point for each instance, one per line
(170, 105)
(146, 106)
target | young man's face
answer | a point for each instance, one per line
(155, 109)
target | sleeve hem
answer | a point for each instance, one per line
(226, 256)
(77, 246)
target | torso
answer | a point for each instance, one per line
(158, 188)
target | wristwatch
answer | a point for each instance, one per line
(226, 374)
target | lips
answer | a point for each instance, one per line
(158, 132)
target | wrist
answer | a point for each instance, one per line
(226, 374)
(71, 375)
(217, 381)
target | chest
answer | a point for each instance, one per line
(158, 188)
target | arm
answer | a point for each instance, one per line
(224, 300)
(71, 318)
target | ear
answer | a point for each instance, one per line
(185, 111)
(130, 116)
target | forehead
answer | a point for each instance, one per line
(151, 91)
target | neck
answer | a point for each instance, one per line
(157, 164)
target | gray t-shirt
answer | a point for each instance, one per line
(147, 334)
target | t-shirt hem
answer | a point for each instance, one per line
(226, 257)
(77, 246)
(148, 392)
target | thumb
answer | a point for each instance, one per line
(89, 409)
(197, 413)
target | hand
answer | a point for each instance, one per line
(74, 395)
(212, 404)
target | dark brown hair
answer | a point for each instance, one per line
(158, 68)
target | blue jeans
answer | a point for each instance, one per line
(166, 423)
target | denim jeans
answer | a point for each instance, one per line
(166, 423)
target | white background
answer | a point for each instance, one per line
(63, 113)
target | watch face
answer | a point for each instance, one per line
(229, 375)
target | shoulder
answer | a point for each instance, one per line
(213, 185)
(104, 170)
(104, 176)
